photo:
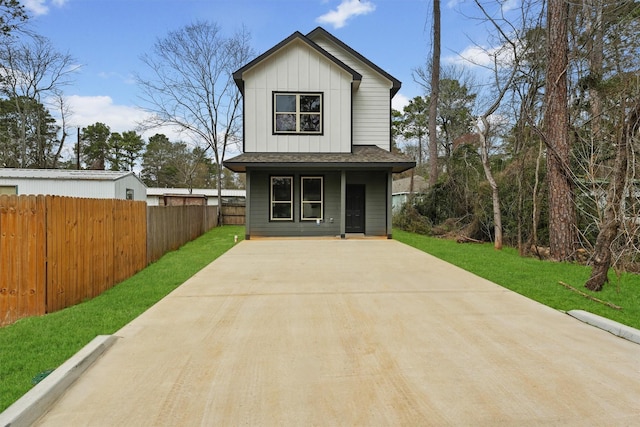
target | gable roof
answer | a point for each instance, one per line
(297, 36)
(321, 32)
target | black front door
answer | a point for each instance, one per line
(354, 221)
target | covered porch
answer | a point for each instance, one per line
(352, 192)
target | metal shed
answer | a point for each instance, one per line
(156, 195)
(95, 184)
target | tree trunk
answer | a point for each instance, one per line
(495, 197)
(435, 91)
(535, 211)
(614, 212)
(562, 215)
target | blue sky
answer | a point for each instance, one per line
(107, 38)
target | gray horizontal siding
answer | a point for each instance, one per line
(375, 209)
(260, 205)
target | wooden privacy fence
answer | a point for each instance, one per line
(169, 227)
(59, 251)
(233, 214)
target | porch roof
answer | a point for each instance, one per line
(361, 157)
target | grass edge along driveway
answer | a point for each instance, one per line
(37, 344)
(536, 279)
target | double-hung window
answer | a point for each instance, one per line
(281, 198)
(312, 198)
(297, 113)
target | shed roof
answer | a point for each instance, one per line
(362, 156)
(403, 185)
(209, 192)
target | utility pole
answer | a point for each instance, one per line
(78, 151)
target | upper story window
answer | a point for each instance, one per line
(297, 113)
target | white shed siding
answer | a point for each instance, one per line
(60, 187)
(297, 68)
(130, 182)
(88, 184)
(371, 102)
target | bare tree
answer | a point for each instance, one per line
(65, 111)
(33, 69)
(191, 86)
(605, 127)
(505, 58)
(614, 211)
(502, 87)
(433, 97)
(528, 149)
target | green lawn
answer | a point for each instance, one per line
(33, 345)
(535, 279)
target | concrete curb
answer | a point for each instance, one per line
(608, 325)
(30, 407)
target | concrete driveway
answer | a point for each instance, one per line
(352, 333)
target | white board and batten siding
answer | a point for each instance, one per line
(297, 68)
(371, 102)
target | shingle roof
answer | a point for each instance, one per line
(363, 156)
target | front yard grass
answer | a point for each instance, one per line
(535, 279)
(36, 344)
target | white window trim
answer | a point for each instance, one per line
(302, 201)
(272, 201)
(298, 113)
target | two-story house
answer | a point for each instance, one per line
(317, 140)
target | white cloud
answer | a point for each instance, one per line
(126, 79)
(472, 55)
(87, 110)
(510, 5)
(399, 101)
(41, 7)
(37, 7)
(346, 10)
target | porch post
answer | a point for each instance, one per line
(389, 203)
(247, 207)
(343, 204)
